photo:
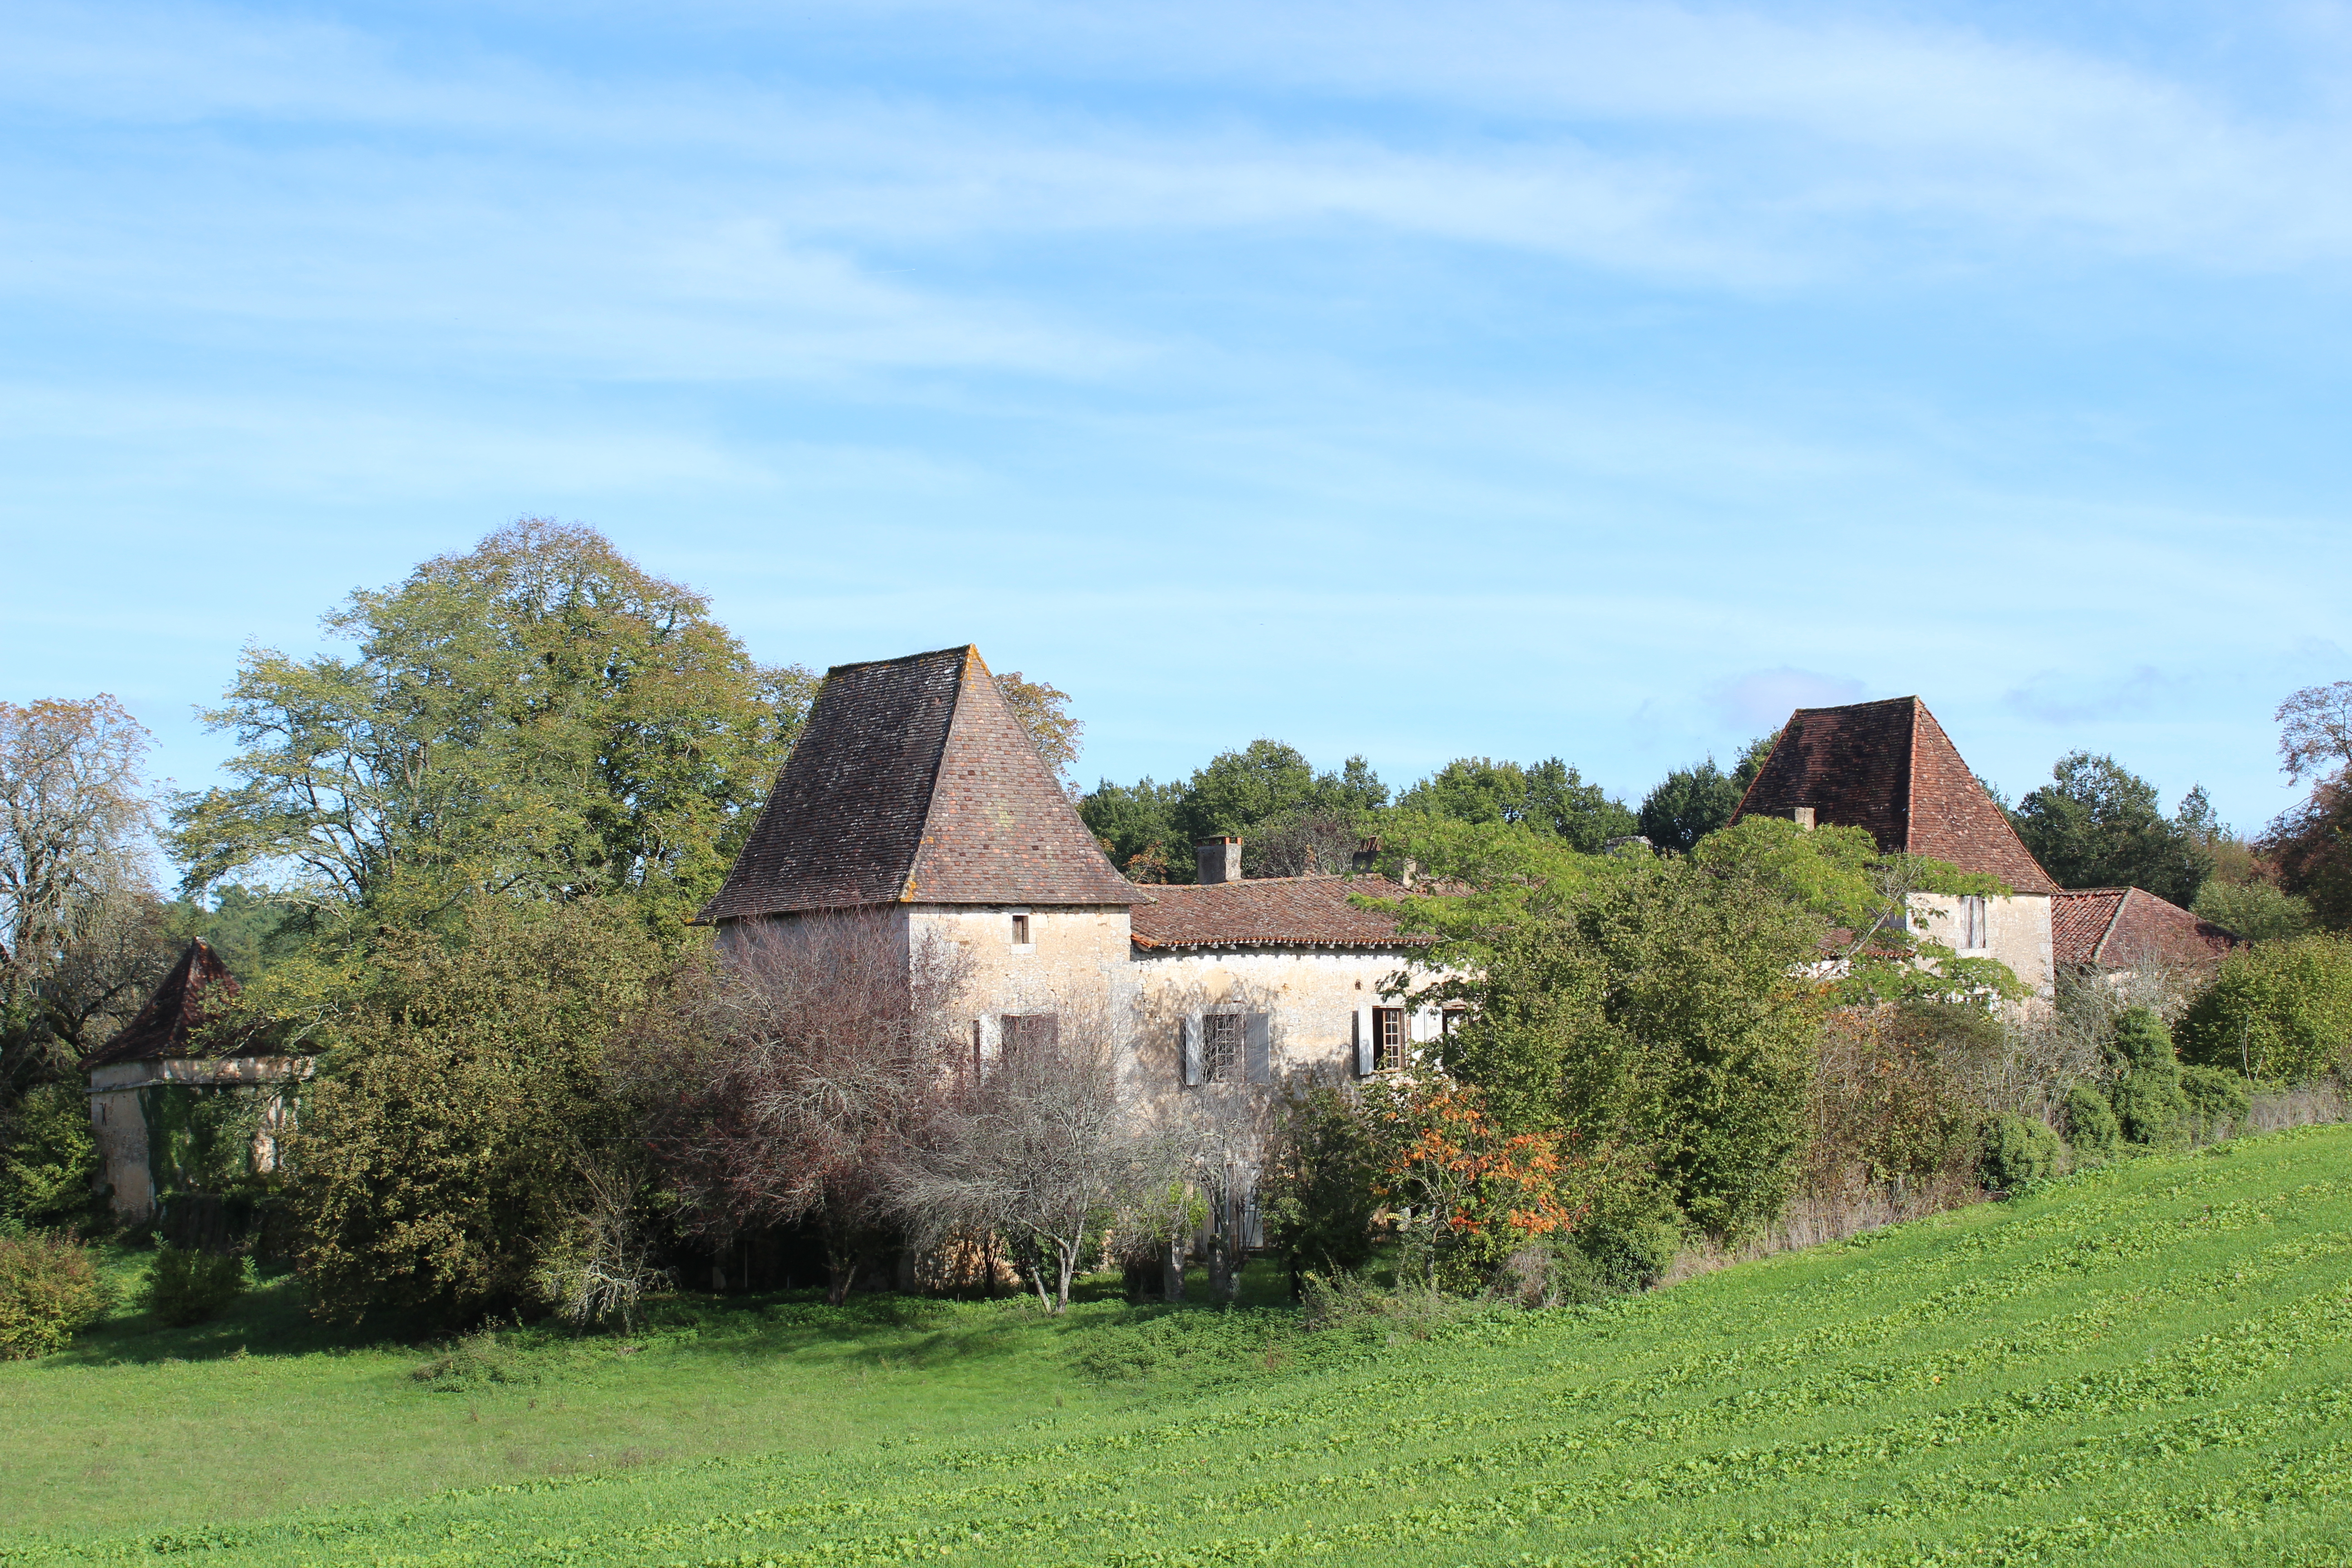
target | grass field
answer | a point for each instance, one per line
(2146, 1364)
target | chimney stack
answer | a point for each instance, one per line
(1219, 859)
(1804, 815)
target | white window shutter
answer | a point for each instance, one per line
(1363, 1042)
(1257, 1049)
(1188, 1030)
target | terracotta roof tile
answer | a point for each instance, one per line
(1272, 911)
(1889, 767)
(2120, 928)
(195, 992)
(913, 783)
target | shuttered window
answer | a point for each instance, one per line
(1221, 1047)
(1387, 1039)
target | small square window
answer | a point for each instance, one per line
(1387, 1039)
(1221, 1047)
(1020, 930)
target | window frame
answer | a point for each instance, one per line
(1224, 1047)
(1024, 932)
(1391, 1055)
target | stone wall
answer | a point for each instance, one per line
(2018, 929)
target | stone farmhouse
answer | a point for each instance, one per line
(1889, 767)
(914, 795)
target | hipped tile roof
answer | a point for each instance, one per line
(914, 783)
(2122, 928)
(1889, 767)
(196, 992)
(1272, 911)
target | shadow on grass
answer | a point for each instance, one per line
(878, 1331)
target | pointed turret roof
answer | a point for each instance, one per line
(914, 783)
(1889, 767)
(198, 990)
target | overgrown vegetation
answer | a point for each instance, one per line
(2142, 1364)
(50, 1289)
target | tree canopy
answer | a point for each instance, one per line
(537, 716)
(1549, 796)
(1151, 828)
(2098, 825)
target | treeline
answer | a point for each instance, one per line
(2094, 825)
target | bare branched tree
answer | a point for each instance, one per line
(2315, 730)
(790, 1082)
(1038, 1149)
(73, 824)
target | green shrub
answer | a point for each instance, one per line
(48, 1157)
(2090, 1124)
(2017, 1150)
(2150, 1106)
(2255, 911)
(1317, 1193)
(186, 1288)
(2142, 1042)
(49, 1288)
(2279, 1011)
(2217, 1101)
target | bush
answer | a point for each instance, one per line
(2280, 1012)
(2142, 1043)
(2217, 1101)
(2017, 1150)
(1317, 1193)
(2150, 1106)
(49, 1158)
(186, 1288)
(49, 1288)
(2090, 1124)
(2255, 911)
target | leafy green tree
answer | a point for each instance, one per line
(2311, 847)
(2280, 1012)
(446, 1145)
(1653, 1006)
(2098, 825)
(1689, 803)
(1136, 825)
(1316, 1196)
(537, 716)
(1549, 796)
(1266, 781)
(1150, 829)
(1044, 712)
(2256, 911)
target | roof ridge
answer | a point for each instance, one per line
(902, 658)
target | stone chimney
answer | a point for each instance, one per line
(1804, 816)
(1219, 859)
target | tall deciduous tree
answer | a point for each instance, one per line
(1549, 796)
(2097, 824)
(73, 824)
(538, 715)
(450, 1142)
(1044, 712)
(1687, 805)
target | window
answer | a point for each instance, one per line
(1221, 1047)
(1387, 1039)
(1972, 929)
(1028, 1031)
(1021, 931)
(1450, 1019)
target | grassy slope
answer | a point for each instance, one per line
(2144, 1366)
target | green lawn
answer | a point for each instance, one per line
(2146, 1365)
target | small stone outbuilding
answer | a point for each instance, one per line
(142, 1081)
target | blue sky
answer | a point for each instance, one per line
(1416, 380)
